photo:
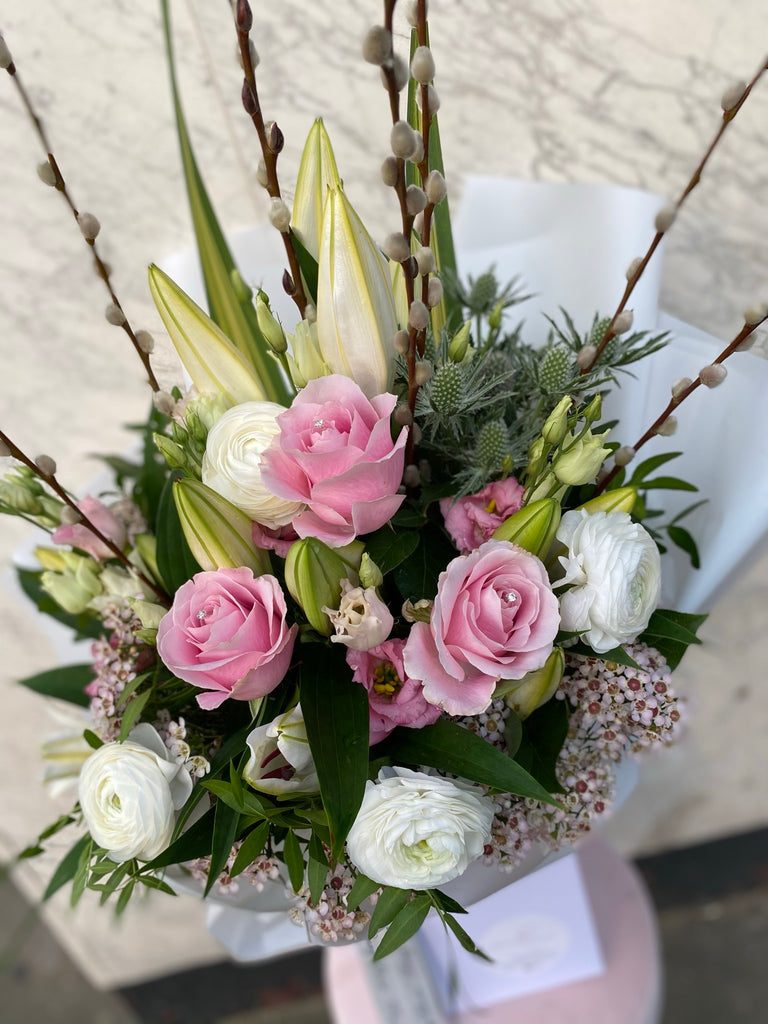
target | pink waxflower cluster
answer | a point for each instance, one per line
(117, 660)
(329, 920)
(258, 873)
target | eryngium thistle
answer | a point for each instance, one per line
(446, 391)
(555, 369)
(492, 445)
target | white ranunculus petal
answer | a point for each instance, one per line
(416, 831)
(614, 572)
(232, 462)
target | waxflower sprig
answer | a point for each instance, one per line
(50, 174)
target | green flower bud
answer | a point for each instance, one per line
(533, 527)
(306, 354)
(494, 319)
(148, 612)
(269, 325)
(593, 410)
(622, 499)
(218, 534)
(524, 695)
(556, 424)
(202, 412)
(145, 545)
(370, 574)
(537, 458)
(579, 460)
(21, 498)
(459, 345)
(74, 589)
(172, 452)
(313, 575)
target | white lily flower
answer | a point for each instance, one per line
(356, 316)
(317, 174)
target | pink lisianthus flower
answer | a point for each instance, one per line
(77, 535)
(335, 453)
(226, 632)
(393, 697)
(278, 539)
(472, 520)
(494, 617)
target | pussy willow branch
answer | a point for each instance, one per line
(56, 487)
(269, 152)
(426, 124)
(677, 400)
(728, 116)
(61, 186)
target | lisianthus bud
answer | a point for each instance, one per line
(459, 344)
(556, 424)
(218, 534)
(75, 587)
(313, 575)
(524, 695)
(270, 326)
(370, 573)
(579, 459)
(533, 527)
(362, 620)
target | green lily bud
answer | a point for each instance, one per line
(75, 588)
(622, 499)
(370, 574)
(313, 575)
(209, 357)
(579, 460)
(218, 534)
(459, 344)
(317, 173)
(533, 527)
(524, 695)
(306, 363)
(556, 424)
(270, 326)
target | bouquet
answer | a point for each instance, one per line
(379, 597)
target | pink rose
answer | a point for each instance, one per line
(226, 632)
(393, 697)
(78, 535)
(277, 539)
(335, 453)
(494, 617)
(473, 519)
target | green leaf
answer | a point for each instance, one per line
(243, 802)
(404, 926)
(156, 883)
(388, 906)
(450, 748)
(84, 626)
(668, 483)
(417, 577)
(671, 633)
(336, 718)
(235, 315)
(464, 940)
(132, 713)
(307, 265)
(544, 733)
(388, 548)
(225, 822)
(67, 682)
(250, 848)
(294, 860)
(360, 891)
(175, 561)
(125, 894)
(67, 867)
(121, 870)
(649, 465)
(230, 748)
(194, 843)
(317, 868)
(680, 536)
(446, 903)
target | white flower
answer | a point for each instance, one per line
(614, 571)
(281, 761)
(232, 462)
(129, 793)
(362, 621)
(416, 831)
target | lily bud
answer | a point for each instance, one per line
(313, 575)
(556, 424)
(317, 173)
(355, 337)
(218, 534)
(533, 527)
(269, 326)
(209, 357)
(580, 461)
(524, 695)
(622, 499)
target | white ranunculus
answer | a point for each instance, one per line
(281, 761)
(232, 462)
(129, 793)
(417, 831)
(362, 620)
(614, 572)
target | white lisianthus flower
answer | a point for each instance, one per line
(232, 462)
(417, 831)
(613, 569)
(281, 761)
(362, 620)
(129, 793)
